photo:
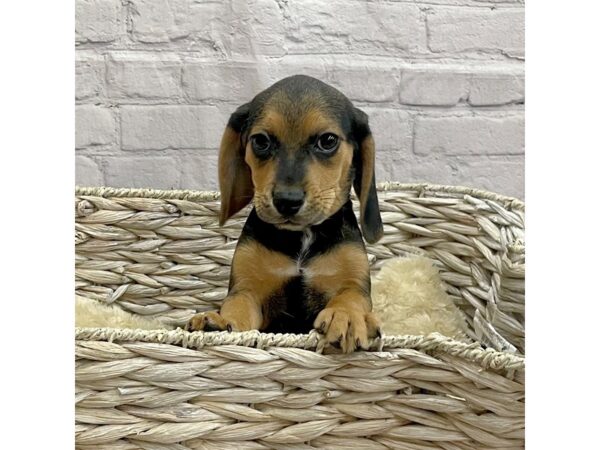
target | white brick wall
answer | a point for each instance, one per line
(442, 81)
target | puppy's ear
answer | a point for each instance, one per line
(364, 178)
(235, 178)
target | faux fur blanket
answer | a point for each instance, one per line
(409, 298)
(407, 294)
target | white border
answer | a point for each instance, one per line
(562, 197)
(37, 179)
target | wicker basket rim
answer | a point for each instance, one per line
(192, 195)
(435, 342)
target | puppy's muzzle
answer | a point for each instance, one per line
(288, 200)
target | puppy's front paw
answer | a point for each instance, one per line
(208, 321)
(347, 328)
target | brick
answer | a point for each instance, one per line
(354, 26)
(155, 21)
(168, 126)
(89, 76)
(433, 87)
(311, 65)
(376, 52)
(496, 89)
(87, 172)
(500, 1)
(231, 82)
(159, 172)
(94, 125)
(254, 27)
(501, 174)
(97, 20)
(388, 164)
(467, 135)
(368, 84)
(391, 129)
(398, 27)
(362, 80)
(504, 175)
(145, 75)
(200, 170)
(437, 85)
(458, 29)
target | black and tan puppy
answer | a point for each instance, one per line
(297, 149)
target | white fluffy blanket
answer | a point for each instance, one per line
(409, 297)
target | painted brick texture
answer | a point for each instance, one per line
(441, 80)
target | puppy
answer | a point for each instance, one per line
(297, 149)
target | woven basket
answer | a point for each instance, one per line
(162, 254)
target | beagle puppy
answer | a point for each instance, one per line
(296, 150)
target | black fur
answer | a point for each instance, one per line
(342, 227)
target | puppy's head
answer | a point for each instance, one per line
(297, 148)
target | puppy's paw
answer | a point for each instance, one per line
(346, 328)
(208, 321)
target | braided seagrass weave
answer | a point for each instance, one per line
(162, 254)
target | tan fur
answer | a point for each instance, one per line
(207, 320)
(325, 183)
(263, 178)
(342, 274)
(240, 312)
(346, 320)
(235, 181)
(345, 267)
(258, 273)
(260, 270)
(293, 120)
(314, 121)
(273, 122)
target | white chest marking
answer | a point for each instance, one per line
(307, 241)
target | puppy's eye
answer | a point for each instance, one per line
(327, 143)
(261, 143)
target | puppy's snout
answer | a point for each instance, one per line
(288, 201)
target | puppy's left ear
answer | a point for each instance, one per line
(364, 178)
(235, 178)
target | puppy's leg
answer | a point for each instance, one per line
(342, 275)
(347, 320)
(239, 313)
(256, 274)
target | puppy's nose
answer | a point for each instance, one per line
(288, 201)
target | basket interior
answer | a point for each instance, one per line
(163, 254)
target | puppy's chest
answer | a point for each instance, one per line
(310, 267)
(300, 269)
(294, 305)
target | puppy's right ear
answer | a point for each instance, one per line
(235, 178)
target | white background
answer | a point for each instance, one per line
(37, 225)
